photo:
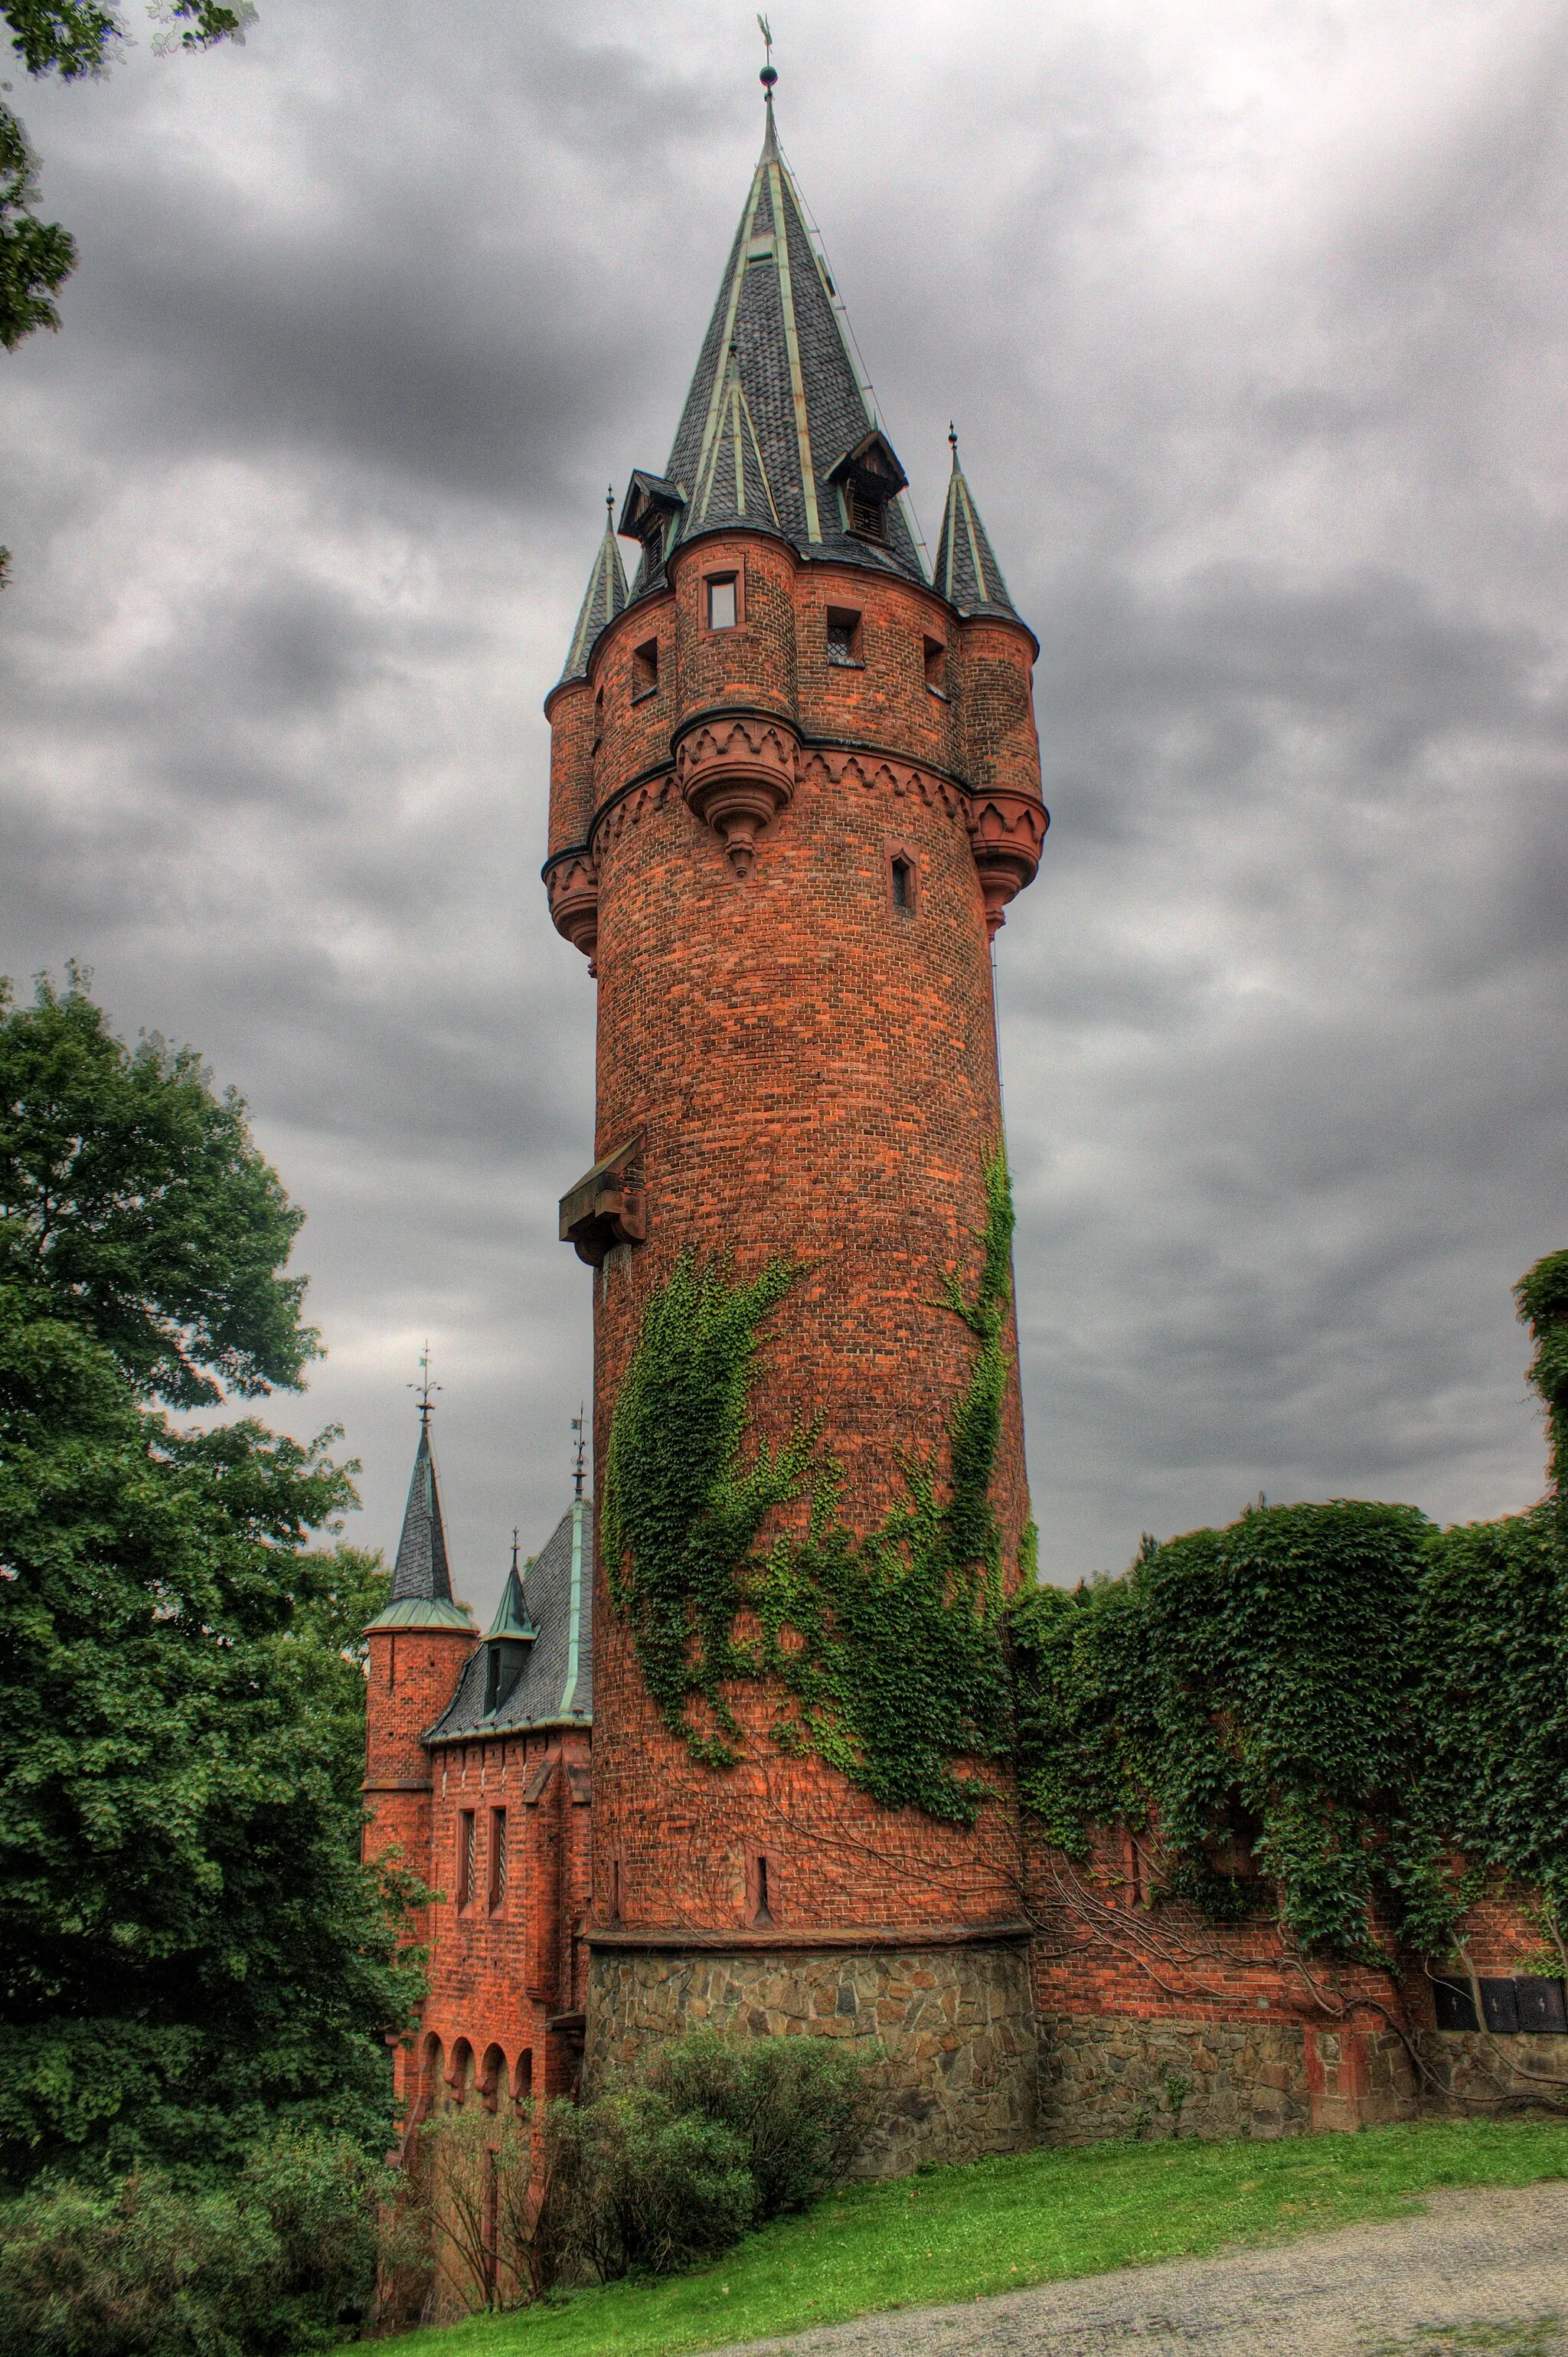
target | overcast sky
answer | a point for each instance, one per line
(1254, 315)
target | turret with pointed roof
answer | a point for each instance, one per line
(421, 1593)
(967, 572)
(603, 599)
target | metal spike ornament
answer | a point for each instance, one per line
(424, 1387)
(768, 75)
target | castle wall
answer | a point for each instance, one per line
(955, 2023)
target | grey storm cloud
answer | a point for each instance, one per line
(1256, 326)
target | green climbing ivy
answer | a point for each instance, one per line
(1376, 1709)
(883, 1649)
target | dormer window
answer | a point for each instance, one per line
(869, 479)
(653, 550)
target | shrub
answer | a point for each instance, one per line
(277, 2262)
(715, 2138)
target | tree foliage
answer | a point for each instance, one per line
(189, 1948)
(75, 39)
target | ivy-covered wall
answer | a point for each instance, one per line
(883, 1648)
(1338, 1714)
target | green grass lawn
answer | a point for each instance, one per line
(995, 2225)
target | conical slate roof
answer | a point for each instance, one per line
(602, 600)
(967, 573)
(421, 1568)
(776, 408)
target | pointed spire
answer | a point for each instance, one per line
(967, 573)
(421, 1569)
(602, 600)
(776, 415)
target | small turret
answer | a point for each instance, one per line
(418, 1647)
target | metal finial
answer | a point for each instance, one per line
(514, 1550)
(579, 1427)
(610, 501)
(768, 75)
(424, 1387)
(952, 437)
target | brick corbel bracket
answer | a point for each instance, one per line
(737, 771)
(571, 880)
(1007, 831)
(609, 1206)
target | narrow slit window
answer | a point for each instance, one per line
(645, 668)
(498, 1859)
(903, 885)
(615, 1890)
(722, 608)
(764, 1907)
(598, 719)
(468, 1856)
(935, 667)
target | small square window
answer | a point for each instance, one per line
(722, 603)
(843, 637)
(644, 669)
(937, 667)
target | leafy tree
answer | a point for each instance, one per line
(72, 39)
(190, 1947)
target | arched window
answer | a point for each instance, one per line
(492, 2077)
(460, 2072)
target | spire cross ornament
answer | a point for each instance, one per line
(424, 1387)
(768, 75)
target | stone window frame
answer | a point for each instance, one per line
(735, 574)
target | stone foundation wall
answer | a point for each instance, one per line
(1120, 2075)
(1499, 2074)
(956, 2023)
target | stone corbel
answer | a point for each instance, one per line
(1006, 831)
(609, 1206)
(571, 880)
(737, 771)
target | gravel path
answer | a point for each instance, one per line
(1474, 2271)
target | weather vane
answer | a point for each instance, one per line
(425, 1386)
(578, 1425)
(768, 75)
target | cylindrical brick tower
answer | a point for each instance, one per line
(794, 784)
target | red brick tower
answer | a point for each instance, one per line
(794, 785)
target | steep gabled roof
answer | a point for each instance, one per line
(556, 1685)
(776, 404)
(604, 599)
(967, 573)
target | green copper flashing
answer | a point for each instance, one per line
(424, 1612)
(569, 1691)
